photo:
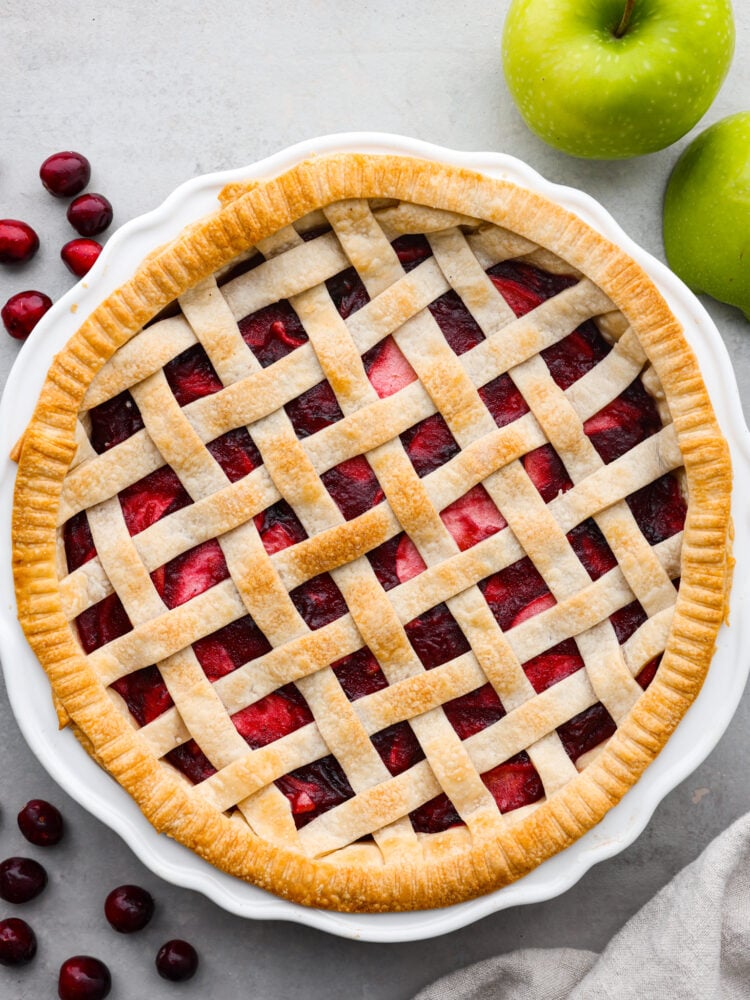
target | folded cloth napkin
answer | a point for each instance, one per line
(692, 940)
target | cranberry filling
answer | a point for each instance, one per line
(272, 717)
(354, 486)
(190, 574)
(459, 327)
(387, 368)
(359, 674)
(436, 637)
(79, 545)
(398, 747)
(348, 292)
(314, 789)
(513, 595)
(514, 783)
(319, 601)
(152, 498)
(190, 759)
(429, 444)
(473, 712)
(191, 375)
(102, 623)
(659, 509)
(236, 453)
(113, 422)
(313, 410)
(145, 694)
(279, 527)
(624, 423)
(590, 545)
(586, 731)
(546, 471)
(273, 332)
(503, 400)
(230, 647)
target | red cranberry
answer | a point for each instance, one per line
(18, 242)
(177, 960)
(129, 908)
(21, 879)
(89, 214)
(65, 174)
(17, 942)
(40, 823)
(83, 978)
(80, 256)
(22, 312)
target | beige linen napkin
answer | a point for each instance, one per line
(690, 942)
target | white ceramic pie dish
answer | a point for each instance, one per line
(71, 767)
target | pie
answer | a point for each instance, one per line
(374, 536)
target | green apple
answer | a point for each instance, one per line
(707, 213)
(615, 78)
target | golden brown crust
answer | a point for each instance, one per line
(457, 865)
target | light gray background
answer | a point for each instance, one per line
(156, 93)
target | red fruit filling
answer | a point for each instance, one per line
(429, 444)
(231, 647)
(359, 674)
(315, 788)
(279, 527)
(314, 410)
(503, 400)
(145, 693)
(273, 332)
(513, 595)
(319, 601)
(354, 486)
(191, 375)
(102, 623)
(436, 637)
(152, 498)
(387, 368)
(398, 747)
(513, 784)
(114, 422)
(236, 453)
(189, 574)
(348, 292)
(272, 717)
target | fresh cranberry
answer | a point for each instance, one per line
(89, 214)
(18, 242)
(129, 908)
(17, 942)
(177, 960)
(21, 879)
(83, 978)
(79, 256)
(65, 174)
(40, 823)
(22, 312)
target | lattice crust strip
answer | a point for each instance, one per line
(366, 241)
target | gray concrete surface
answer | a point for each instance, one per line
(155, 94)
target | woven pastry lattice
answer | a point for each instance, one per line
(294, 265)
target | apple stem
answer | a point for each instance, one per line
(622, 27)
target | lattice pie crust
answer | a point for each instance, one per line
(365, 854)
